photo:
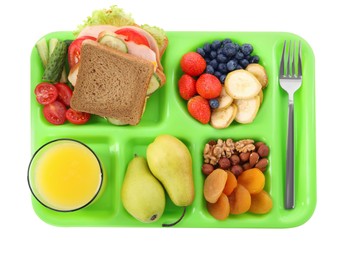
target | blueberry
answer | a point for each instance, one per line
(229, 50)
(207, 48)
(214, 103)
(239, 55)
(214, 63)
(232, 65)
(225, 41)
(244, 63)
(209, 69)
(217, 73)
(222, 78)
(207, 60)
(239, 67)
(201, 52)
(213, 54)
(254, 59)
(221, 58)
(216, 45)
(222, 68)
(246, 48)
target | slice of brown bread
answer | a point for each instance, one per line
(111, 83)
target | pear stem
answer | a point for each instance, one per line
(172, 224)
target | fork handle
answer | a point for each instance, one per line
(289, 195)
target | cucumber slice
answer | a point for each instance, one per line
(114, 121)
(110, 39)
(154, 84)
(42, 49)
(51, 45)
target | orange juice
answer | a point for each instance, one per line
(65, 175)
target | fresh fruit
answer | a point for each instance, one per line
(64, 93)
(259, 72)
(76, 117)
(208, 86)
(241, 84)
(214, 185)
(55, 112)
(170, 162)
(145, 206)
(132, 35)
(74, 50)
(224, 99)
(46, 93)
(193, 64)
(253, 180)
(214, 103)
(220, 209)
(222, 118)
(247, 109)
(186, 86)
(261, 203)
(199, 108)
(239, 200)
(230, 184)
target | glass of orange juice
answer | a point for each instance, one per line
(65, 175)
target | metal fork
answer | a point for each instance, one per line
(290, 78)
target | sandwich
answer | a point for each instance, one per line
(118, 66)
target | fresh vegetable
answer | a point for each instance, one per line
(76, 117)
(132, 35)
(158, 34)
(42, 49)
(56, 63)
(51, 46)
(55, 112)
(64, 93)
(154, 84)
(74, 51)
(112, 40)
(46, 93)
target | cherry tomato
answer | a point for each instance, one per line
(64, 93)
(76, 117)
(132, 35)
(55, 112)
(74, 51)
(46, 93)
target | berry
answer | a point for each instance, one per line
(214, 63)
(186, 86)
(201, 52)
(244, 63)
(193, 64)
(209, 69)
(199, 108)
(214, 103)
(246, 48)
(239, 55)
(216, 45)
(232, 65)
(254, 59)
(221, 58)
(222, 78)
(222, 67)
(207, 48)
(208, 86)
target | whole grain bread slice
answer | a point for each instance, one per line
(111, 83)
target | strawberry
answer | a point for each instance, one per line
(208, 86)
(186, 86)
(193, 64)
(199, 108)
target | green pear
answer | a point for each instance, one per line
(171, 163)
(142, 194)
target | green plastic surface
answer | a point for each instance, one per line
(166, 113)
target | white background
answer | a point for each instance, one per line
(23, 234)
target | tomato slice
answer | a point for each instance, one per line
(132, 35)
(64, 93)
(74, 51)
(46, 93)
(55, 112)
(76, 117)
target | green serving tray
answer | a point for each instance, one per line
(167, 113)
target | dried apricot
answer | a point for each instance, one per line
(252, 179)
(214, 185)
(261, 203)
(230, 184)
(239, 200)
(219, 210)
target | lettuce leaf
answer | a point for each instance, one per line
(112, 16)
(158, 34)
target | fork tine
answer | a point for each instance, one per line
(293, 60)
(289, 58)
(282, 60)
(299, 61)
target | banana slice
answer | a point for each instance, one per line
(247, 109)
(259, 72)
(222, 118)
(261, 96)
(224, 100)
(241, 84)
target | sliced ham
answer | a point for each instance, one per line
(96, 29)
(143, 52)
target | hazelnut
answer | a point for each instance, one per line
(253, 159)
(236, 170)
(258, 144)
(246, 166)
(224, 163)
(212, 142)
(263, 150)
(261, 165)
(235, 159)
(244, 156)
(207, 168)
